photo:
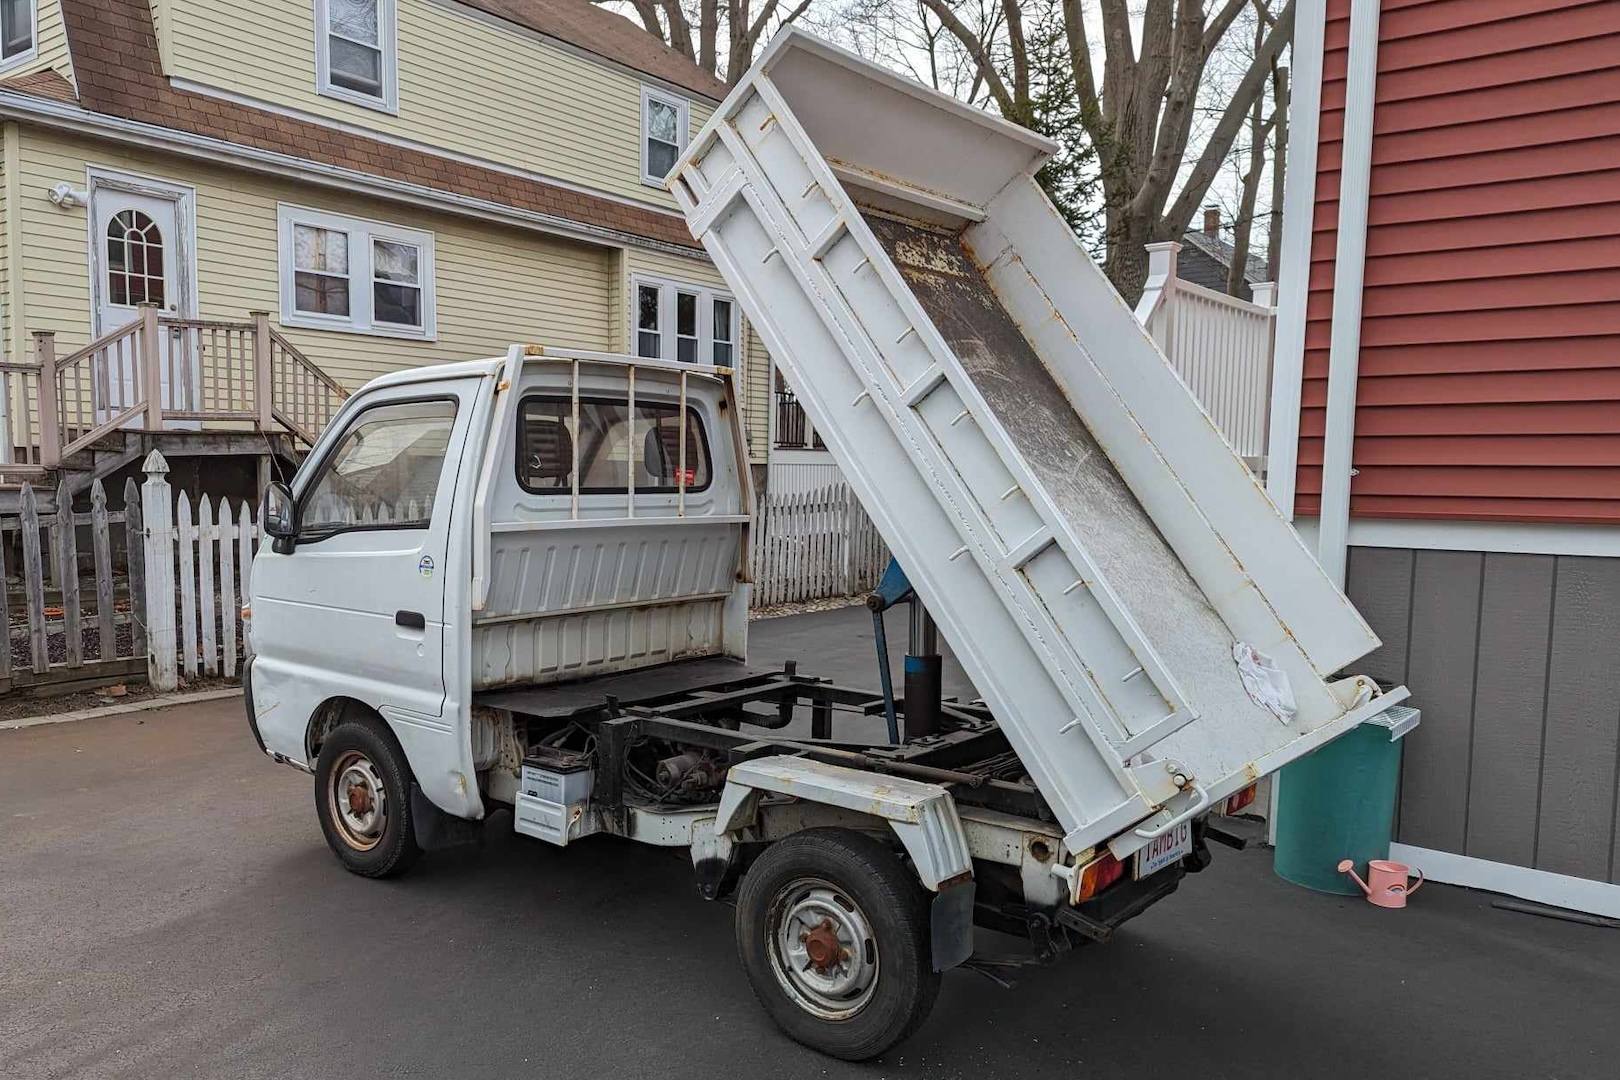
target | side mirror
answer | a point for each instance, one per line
(278, 516)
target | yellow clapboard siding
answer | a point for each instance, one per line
(464, 85)
(495, 285)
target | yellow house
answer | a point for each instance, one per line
(389, 182)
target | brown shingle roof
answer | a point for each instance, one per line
(607, 34)
(115, 60)
(45, 84)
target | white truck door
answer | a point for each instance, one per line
(358, 605)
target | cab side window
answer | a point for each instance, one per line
(609, 446)
(384, 474)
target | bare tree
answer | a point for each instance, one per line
(694, 28)
(1140, 118)
(1237, 283)
(1279, 166)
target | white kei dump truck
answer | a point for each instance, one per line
(522, 583)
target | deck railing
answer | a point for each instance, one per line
(151, 372)
(1220, 345)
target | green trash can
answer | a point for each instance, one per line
(1339, 803)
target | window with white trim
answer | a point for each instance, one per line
(19, 30)
(665, 121)
(355, 275)
(689, 323)
(355, 52)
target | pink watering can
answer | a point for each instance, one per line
(1386, 883)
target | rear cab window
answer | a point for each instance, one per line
(611, 445)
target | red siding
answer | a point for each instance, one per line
(1490, 335)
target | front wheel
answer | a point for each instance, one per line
(362, 795)
(832, 929)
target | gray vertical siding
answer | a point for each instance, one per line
(1515, 662)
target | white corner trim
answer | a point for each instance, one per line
(1507, 537)
(63, 117)
(1299, 218)
(1349, 258)
(1559, 890)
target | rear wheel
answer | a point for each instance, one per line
(362, 796)
(832, 929)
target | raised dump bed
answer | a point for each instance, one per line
(1094, 551)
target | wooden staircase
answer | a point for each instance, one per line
(187, 387)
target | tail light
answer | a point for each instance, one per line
(1239, 800)
(1098, 874)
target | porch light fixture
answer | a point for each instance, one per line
(67, 196)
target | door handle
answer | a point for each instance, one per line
(411, 620)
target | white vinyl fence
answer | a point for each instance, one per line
(202, 562)
(1220, 345)
(814, 544)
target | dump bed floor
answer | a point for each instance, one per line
(1064, 456)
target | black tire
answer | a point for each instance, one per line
(880, 894)
(364, 755)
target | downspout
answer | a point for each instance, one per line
(1293, 277)
(16, 340)
(1344, 348)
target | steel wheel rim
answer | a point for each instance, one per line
(358, 800)
(807, 917)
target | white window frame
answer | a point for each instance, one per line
(32, 51)
(361, 232)
(683, 123)
(667, 337)
(387, 42)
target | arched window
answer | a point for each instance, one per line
(134, 260)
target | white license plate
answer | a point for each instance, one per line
(1161, 851)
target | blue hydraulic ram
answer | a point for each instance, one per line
(923, 667)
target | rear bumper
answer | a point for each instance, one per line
(1097, 919)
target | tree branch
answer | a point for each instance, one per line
(647, 11)
(1222, 21)
(977, 50)
(680, 32)
(1091, 113)
(1231, 122)
(1020, 60)
(1169, 144)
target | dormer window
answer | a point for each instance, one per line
(664, 126)
(355, 52)
(17, 31)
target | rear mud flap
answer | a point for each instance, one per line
(951, 925)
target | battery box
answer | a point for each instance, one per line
(553, 802)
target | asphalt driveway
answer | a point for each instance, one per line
(168, 908)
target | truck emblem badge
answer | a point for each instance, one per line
(425, 567)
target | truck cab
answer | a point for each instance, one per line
(513, 522)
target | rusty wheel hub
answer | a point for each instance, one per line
(824, 951)
(357, 800)
(821, 944)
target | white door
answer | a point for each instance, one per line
(357, 606)
(140, 253)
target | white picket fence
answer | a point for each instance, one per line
(814, 544)
(1220, 345)
(203, 563)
